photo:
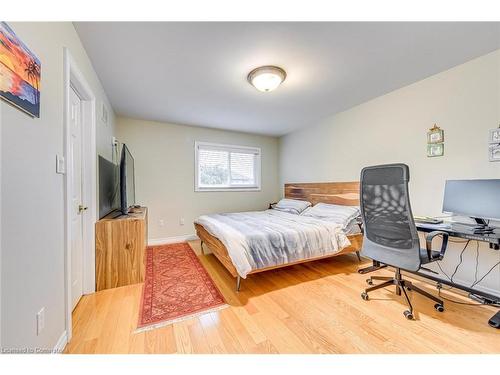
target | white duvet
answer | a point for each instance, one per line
(256, 240)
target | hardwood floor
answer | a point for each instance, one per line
(310, 308)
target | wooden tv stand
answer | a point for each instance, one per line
(120, 244)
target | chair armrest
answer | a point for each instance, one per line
(428, 243)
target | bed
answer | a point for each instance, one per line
(209, 229)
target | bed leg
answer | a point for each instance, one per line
(238, 283)
(201, 246)
(358, 255)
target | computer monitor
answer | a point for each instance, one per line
(479, 199)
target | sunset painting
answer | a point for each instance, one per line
(20, 73)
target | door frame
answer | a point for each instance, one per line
(73, 78)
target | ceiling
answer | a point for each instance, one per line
(195, 73)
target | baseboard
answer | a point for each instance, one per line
(175, 239)
(61, 343)
(481, 288)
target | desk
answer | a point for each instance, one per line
(454, 230)
(463, 231)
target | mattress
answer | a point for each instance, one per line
(262, 239)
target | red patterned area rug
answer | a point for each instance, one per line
(176, 287)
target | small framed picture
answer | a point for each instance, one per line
(494, 152)
(435, 149)
(495, 136)
(435, 135)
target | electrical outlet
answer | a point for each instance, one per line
(114, 142)
(182, 221)
(40, 321)
(161, 222)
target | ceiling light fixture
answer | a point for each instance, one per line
(266, 78)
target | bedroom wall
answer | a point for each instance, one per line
(464, 101)
(0, 226)
(32, 215)
(164, 168)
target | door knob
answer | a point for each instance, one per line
(81, 208)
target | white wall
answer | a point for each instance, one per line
(1, 226)
(32, 216)
(164, 173)
(464, 101)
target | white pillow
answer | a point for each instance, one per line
(342, 215)
(293, 206)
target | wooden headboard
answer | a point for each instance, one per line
(342, 193)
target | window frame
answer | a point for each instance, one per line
(229, 148)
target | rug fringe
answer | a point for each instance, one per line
(180, 319)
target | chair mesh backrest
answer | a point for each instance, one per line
(387, 217)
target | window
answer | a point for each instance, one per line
(225, 167)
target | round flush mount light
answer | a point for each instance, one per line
(266, 78)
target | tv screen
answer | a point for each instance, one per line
(127, 180)
(109, 187)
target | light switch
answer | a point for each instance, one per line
(60, 164)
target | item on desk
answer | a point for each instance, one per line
(484, 231)
(474, 228)
(427, 220)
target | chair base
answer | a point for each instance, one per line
(376, 266)
(401, 286)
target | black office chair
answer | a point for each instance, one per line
(390, 235)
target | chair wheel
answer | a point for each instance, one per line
(369, 281)
(408, 314)
(364, 295)
(439, 307)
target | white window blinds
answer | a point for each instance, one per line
(226, 167)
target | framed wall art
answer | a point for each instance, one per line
(494, 152)
(435, 149)
(20, 73)
(435, 135)
(495, 136)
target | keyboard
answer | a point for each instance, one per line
(427, 220)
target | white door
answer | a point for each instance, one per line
(77, 209)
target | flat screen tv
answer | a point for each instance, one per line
(109, 187)
(127, 180)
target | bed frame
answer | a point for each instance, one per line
(341, 193)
